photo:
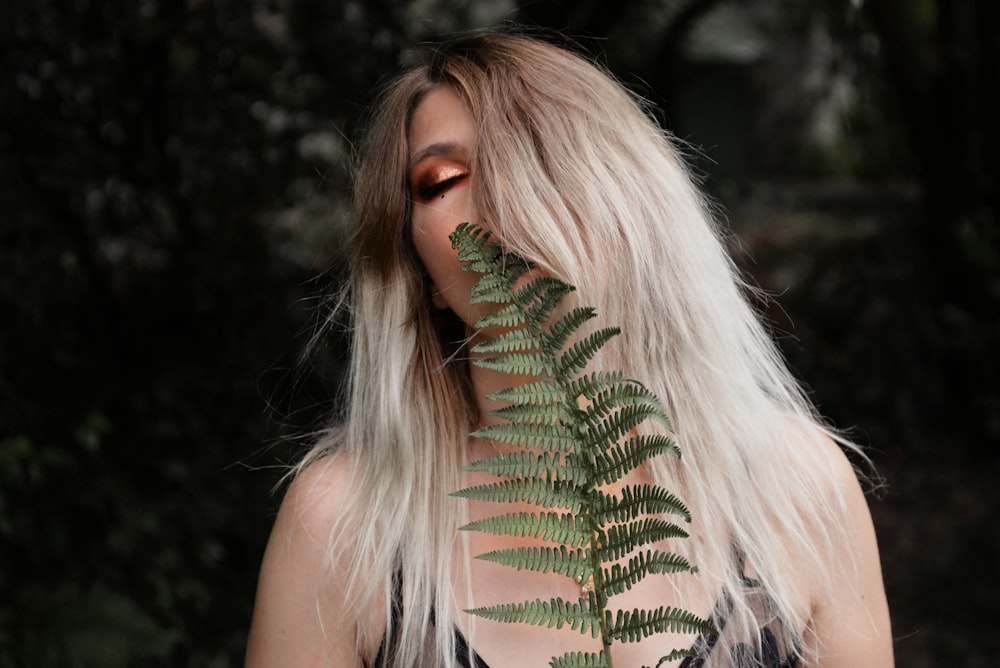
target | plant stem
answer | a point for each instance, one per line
(596, 598)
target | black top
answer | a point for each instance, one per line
(772, 652)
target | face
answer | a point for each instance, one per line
(442, 138)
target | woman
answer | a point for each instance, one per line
(365, 565)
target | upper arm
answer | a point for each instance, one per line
(298, 619)
(852, 625)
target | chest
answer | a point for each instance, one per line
(502, 644)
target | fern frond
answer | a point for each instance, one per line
(634, 625)
(624, 393)
(571, 563)
(491, 289)
(673, 656)
(613, 427)
(590, 385)
(515, 340)
(576, 358)
(638, 500)
(581, 660)
(478, 249)
(580, 432)
(524, 464)
(541, 392)
(540, 297)
(548, 437)
(562, 528)
(547, 494)
(474, 242)
(552, 414)
(611, 466)
(620, 578)
(519, 364)
(496, 286)
(509, 316)
(560, 332)
(618, 540)
(555, 612)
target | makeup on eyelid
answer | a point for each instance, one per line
(437, 180)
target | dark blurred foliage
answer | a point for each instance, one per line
(145, 312)
(927, 286)
(174, 177)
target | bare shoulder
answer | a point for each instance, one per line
(316, 495)
(296, 620)
(852, 623)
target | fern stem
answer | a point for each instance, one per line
(598, 599)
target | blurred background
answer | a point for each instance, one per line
(174, 190)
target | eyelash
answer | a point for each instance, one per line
(429, 192)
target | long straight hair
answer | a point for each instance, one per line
(572, 172)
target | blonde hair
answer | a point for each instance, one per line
(571, 172)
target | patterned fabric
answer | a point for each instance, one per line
(743, 655)
(773, 651)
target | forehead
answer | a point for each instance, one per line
(440, 118)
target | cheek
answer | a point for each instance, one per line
(440, 260)
(430, 226)
(435, 251)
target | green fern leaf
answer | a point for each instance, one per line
(555, 527)
(554, 613)
(539, 437)
(509, 316)
(481, 253)
(571, 563)
(673, 656)
(519, 364)
(618, 540)
(611, 466)
(495, 288)
(548, 494)
(613, 427)
(559, 334)
(634, 625)
(551, 414)
(638, 500)
(539, 299)
(516, 340)
(540, 393)
(589, 385)
(622, 394)
(620, 578)
(524, 464)
(581, 660)
(578, 355)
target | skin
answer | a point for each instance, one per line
(287, 628)
(852, 627)
(442, 139)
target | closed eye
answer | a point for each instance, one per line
(439, 188)
(436, 181)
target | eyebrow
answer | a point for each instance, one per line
(437, 149)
